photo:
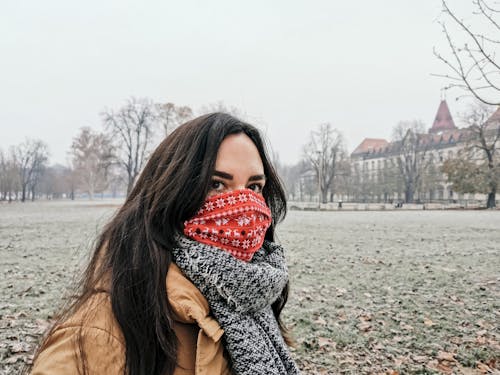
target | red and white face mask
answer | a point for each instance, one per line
(236, 221)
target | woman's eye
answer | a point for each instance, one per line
(217, 185)
(257, 188)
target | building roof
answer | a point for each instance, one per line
(447, 137)
(443, 120)
(495, 117)
(370, 145)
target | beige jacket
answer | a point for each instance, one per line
(200, 347)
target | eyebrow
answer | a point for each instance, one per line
(228, 176)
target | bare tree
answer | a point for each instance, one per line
(38, 171)
(8, 176)
(171, 116)
(355, 184)
(486, 134)
(3, 175)
(117, 180)
(410, 148)
(342, 175)
(323, 152)
(477, 168)
(432, 179)
(132, 129)
(473, 62)
(53, 182)
(92, 155)
(289, 175)
(30, 158)
(13, 182)
(70, 177)
(342, 181)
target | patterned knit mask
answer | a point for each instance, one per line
(236, 221)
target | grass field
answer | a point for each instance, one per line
(371, 292)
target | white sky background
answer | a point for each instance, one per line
(289, 65)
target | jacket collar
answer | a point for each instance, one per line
(189, 305)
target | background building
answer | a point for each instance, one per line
(409, 169)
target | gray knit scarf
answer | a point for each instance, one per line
(240, 295)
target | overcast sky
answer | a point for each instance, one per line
(289, 65)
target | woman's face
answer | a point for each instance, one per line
(238, 166)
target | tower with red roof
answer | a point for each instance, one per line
(443, 120)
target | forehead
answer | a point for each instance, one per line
(238, 154)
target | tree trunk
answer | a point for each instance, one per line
(490, 203)
(409, 195)
(23, 196)
(324, 196)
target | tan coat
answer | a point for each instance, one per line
(200, 347)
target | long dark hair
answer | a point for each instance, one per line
(133, 251)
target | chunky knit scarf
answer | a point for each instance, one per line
(240, 295)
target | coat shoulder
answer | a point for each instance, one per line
(92, 330)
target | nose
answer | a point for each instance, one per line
(240, 187)
(238, 183)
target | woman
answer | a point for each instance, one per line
(185, 279)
